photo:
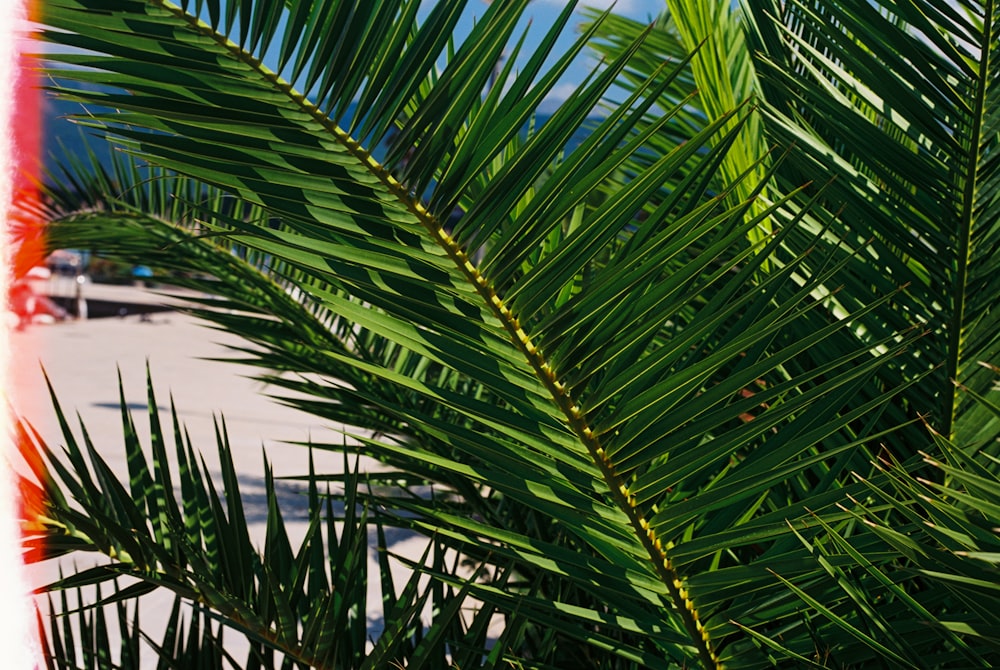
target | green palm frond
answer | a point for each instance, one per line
(917, 586)
(632, 409)
(172, 528)
(897, 102)
(706, 38)
(888, 105)
(191, 642)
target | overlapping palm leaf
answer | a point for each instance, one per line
(116, 640)
(933, 602)
(870, 101)
(898, 102)
(705, 39)
(641, 387)
(178, 226)
(171, 527)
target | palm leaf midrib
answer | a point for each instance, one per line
(534, 358)
(956, 329)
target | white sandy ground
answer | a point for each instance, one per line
(82, 360)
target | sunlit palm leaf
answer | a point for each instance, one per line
(898, 102)
(306, 603)
(916, 581)
(649, 395)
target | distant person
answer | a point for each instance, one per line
(28, 305)
(23, 302)
(141, 275)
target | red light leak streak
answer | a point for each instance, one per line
(22, 248)
(27, 166)
(25, 224)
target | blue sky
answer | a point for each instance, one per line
(541, 14)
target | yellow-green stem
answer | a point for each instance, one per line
(575, 419)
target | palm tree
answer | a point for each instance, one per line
(665, 385)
